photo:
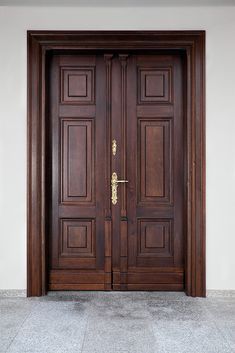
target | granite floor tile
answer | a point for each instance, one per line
(160, 296)
(120, 308)
(117, 322)
(118, 335)
(178, 310)
(52, 327)
(222, 309)
(13, 312)
(227, 330)
(189, 337)
(85, 296)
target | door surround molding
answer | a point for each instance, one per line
(193, 45)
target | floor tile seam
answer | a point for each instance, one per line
(18, 331)
(85, 332)
(154, 336)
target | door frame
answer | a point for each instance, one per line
(193, 45)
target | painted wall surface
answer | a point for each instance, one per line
(220, 127)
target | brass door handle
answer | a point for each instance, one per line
(114, 185)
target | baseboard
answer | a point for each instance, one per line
(214, 293)
(11, 293)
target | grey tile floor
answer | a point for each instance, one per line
(117, 322)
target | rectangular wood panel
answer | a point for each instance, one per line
(77, 160)
(155, 161)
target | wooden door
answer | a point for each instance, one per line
(77, 258)
(119, 113)
(148, 217)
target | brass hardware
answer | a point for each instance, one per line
(114, 185)
(114, 147)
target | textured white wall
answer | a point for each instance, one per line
(220, 27)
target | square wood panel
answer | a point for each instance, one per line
(77, 237)
(77, 85)
(155, 237)
(154, 85)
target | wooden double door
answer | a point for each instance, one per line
(116, 117)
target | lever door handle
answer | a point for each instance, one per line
(114, 185)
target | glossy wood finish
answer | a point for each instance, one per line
(154, 147)
(191, 44)
(77, 143)
(155, 152)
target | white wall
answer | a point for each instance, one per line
(220, 26)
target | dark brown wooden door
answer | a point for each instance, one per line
(134, 104)
(147, 115)
(77, 137)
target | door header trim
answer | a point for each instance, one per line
(193, 44)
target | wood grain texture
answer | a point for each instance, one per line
(108, 254)
(192, 43)
(77, 158)
(123, 61)
(76, 229)
(155, 241)
(77, 85)
(108, 76)
(155, 160)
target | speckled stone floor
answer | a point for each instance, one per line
(117, 322)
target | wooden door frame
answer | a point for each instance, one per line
(193, 44)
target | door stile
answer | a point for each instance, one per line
(54, 212)
(178, 174)
(116, 167)
(123, 58)
(108, 211)
(132, 146)
(123, 62)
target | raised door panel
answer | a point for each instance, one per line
(77, 244)
(155, 237)
(77, 161)
(77, 85)
(155, 161)
(154, 85)
(77, 238)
